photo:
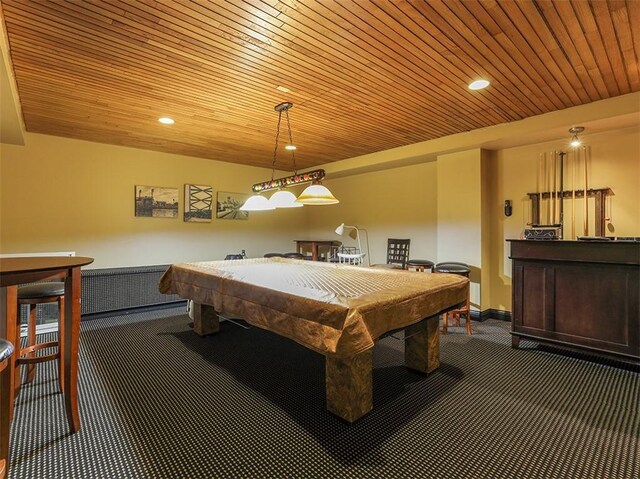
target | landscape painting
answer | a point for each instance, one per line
(156, 201)
(228, 207)
(197, 203)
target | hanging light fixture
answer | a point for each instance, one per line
(316, 194)
(283, 198)
(575, 141)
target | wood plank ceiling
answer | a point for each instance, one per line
(363, 75)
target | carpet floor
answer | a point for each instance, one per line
(157, 401)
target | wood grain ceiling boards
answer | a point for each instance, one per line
(363, 75)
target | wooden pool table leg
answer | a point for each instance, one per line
(349, 385)
(205, 319)
(422, 345)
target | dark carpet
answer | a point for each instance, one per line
(157, 401)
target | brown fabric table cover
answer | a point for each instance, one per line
(334, 309)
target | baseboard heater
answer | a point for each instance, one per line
(114, 289)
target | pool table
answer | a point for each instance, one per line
(337, 310)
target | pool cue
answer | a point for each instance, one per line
(547, 188)
(552, 186)
(586, 179)
(561, 205)
(539, 191)
(573, 196)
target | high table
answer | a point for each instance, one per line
(337, 310)
(315, 247)
(15, 271)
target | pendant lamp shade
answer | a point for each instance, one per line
(284, 199)
(317, 194)
(257, 203)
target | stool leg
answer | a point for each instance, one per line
(31, 334)
(445, 320)
(61, 341)
(468, 313)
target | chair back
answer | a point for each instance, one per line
(398, 251)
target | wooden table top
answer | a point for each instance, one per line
(11, 269)
(318, 241)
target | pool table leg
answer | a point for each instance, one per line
(422, 345)
(349, 385)
(205, 319)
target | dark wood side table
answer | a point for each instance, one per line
(316, 245)
(15, 271)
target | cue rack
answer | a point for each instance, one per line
(548, 203)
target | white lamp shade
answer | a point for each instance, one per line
(317, 195)
(257, 203)
(284, 199)
(340, 229)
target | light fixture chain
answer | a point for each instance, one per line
(275, 150)
(293, 154)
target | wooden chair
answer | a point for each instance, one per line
(6, 350)
(463, 269)
(398, 252)
(33, 295)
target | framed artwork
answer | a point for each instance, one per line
(156, 201)
(197, 203)
(228, 206)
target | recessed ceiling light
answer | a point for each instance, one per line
(166, 120)
(283, 89)
(290, 147)
(478, 84)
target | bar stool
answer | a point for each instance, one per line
(419, 264)
(6, 350)
(294, 255)
(33, 295)
(462, 269)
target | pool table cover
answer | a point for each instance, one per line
(333, 309)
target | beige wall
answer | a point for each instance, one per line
(58, 194)
(460, 213)
(396, 203)
(614, 163)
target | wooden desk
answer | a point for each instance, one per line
(15, 271)
(316, 245)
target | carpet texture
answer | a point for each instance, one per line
(157, 401)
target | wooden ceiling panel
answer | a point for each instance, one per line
(363, 75)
